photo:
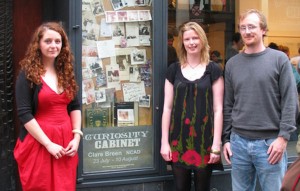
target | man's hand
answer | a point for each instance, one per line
(227, 152)
(276, 150)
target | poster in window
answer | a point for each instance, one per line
(98, 117)
(117, 149)
(125, 114)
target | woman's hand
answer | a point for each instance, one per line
(56, 150)
(214, 158)
(72, 147)
(215, 154)
(165, 152)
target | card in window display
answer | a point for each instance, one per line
(110, 98)
(95, 65)
(125, 114)
(140, 2)
(133, 15)
(144, 101)
(132, 34)
(117, 4)
(111, 16)
(100, 95)
(133, 91)
(97, 7)
(98, 117)
(138, 56)
(86, 6)
(90, 97)
(113, 76)
(122, 59)
(90, 28)
(122, 16)
(88, 84)
(134, 74)
(88, 92)
(145, 72)
(86, 73)
(133, 3)
(105, 28)
(144, 33)
(89, 51)
(144, 15)
(100, 80)
(118, 32)
(106, 48)
(130, 3)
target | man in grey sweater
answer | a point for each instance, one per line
(260, 109)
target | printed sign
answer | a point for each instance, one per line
(115, 149)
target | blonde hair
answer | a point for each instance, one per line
(204, 52)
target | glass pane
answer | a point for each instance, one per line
(117, 85)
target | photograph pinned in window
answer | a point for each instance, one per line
(138, 56)
(98, 8)
(144, 101)
(117, 4)
(100, 95)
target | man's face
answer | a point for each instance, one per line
(250, 30)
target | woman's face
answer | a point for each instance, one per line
(192, 42)
(50, 44)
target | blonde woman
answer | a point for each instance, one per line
(192, 115)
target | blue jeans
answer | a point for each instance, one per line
(250, 160)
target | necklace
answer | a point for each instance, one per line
(193, 67)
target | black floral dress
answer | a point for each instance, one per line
(191, 127)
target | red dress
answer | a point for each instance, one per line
(38, 169)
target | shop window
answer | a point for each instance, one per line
(117, 109)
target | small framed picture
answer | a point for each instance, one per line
(138, 56)
(117, 4)
(144, 101)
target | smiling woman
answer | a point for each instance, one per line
(194, 143)
(46, 151)
(50, 45)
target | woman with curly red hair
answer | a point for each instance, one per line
(49, 112)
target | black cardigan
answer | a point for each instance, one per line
(27, 101)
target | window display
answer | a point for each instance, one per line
(117, 85)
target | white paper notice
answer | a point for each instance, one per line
(106, 48)
(133, 91)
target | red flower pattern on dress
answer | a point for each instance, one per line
(191, 157)
(208, 149)
(187, 121)
(206, 159)
(192, 132)
(175, 155)
(174, 143)
(205, 119)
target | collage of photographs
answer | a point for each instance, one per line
(116, 60)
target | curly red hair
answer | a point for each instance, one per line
(33, 66)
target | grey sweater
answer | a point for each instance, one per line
(261, 99)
